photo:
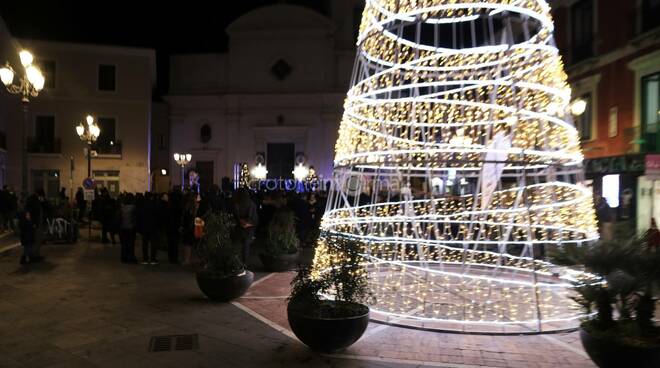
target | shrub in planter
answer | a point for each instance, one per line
(330, 324)
(621, 331)
(281, 250)
(223, 276)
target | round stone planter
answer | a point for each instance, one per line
(224, 289)
(279, 263)
(328, 334)
(608, 354)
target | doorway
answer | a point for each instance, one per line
(205, 171)
(280, 159)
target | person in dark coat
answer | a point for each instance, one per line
(245, 212)
(173, 226)
(127, 229)
(34, 205)
(81, 203)
(189, 212)
(108, 217)
(148, 227)
(27, 228)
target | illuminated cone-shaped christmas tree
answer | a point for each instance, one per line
(458, 167)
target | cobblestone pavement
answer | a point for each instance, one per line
(82, 308)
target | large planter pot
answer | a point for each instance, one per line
(328, 334)
(609, 354)
(224, 289)
(279, 263)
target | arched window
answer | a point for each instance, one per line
(205, 133)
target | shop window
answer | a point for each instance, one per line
(611, 190)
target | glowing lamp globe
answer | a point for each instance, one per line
(6, 75)
(26, 58)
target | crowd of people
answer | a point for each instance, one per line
(166, 221)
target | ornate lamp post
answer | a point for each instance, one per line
(28, 85)
(182, 160)
(88, 133)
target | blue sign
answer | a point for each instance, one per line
(88, 183)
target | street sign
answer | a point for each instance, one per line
(89, 195)
(88, 183)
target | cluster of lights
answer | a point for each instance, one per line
(31, 84)
(428, 112)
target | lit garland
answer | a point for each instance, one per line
(244, 178)
(470, 95)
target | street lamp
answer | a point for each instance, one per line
(182, 160)
(300, 172)
(88, 132)
(28, 85)
(578, 107)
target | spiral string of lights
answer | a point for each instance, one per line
(458, 168)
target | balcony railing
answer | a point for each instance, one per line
(40, 146)
(108, 148)
(648, 140)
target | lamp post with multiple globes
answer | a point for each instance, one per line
(30, 83)
(88, 133)
(182, 159)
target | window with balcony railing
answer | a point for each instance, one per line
(108, 148)
(3, 140)
(37, 145)
(651, 112)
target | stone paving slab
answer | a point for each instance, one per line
(390, 342)
(82, 308)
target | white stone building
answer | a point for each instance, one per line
(278, 91)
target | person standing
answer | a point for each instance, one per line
(81, 203)
(108, 217)
(190, 206)
(148, 225)
(34, 206)
(127, 229)
(245, 212)
(27, 229)
(174, 226)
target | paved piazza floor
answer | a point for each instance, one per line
(82, 308)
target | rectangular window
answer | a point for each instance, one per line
(107, 78)
(48, 69)
(161, 142)
(583, 122)
(108, 128)
(582, 29)
(611, 190)
(44, 129)
(651, 111)
(650, 14)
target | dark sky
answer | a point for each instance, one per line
(173, 27)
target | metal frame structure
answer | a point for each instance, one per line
(458, 167)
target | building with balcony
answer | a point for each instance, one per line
(113, 84)
(612, 53)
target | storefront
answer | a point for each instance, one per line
(648, 193)
(618, 181)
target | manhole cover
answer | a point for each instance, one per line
(174, 342)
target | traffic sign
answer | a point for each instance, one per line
(88, 183)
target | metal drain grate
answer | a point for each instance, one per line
(174, 342)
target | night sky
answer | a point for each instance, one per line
(169, 27)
